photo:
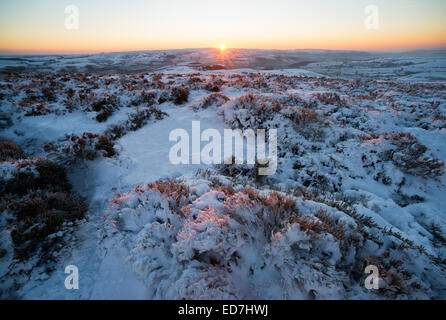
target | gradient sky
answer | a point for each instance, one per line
(37, 26)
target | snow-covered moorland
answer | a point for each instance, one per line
(85, 180)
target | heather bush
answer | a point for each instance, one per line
(146, 97)
(9, 150)
(212, 86)
(5, 120)
(306, 123)
(37, 109)
(395, 279)
(39, 214)
(237, 171)
(179, 95)
(251, 111)
(105, 107)
(140, 118)
(300, 116)
(330, 98)
(177, 193)
(48, 94)
(36, 192)
(80, 99)
(87, 146)
(406, 152)
(34, 174)
(134, 122)
(216, 99)
(164, 96)
(34, 106)
(45, 94)
(243, 231)
(240, 172)
(324, 222)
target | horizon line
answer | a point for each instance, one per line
(402, 50)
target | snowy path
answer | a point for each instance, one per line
(144, 157)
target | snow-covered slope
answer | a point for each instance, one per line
(416, 65)
(360, 181)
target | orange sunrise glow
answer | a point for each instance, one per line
(31, 27)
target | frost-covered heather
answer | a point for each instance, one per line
(360, 181)
(38, 210)
(214, 240)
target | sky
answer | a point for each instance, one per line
(38, 26)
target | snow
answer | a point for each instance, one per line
(214, 245)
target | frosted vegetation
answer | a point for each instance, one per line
(85, 180)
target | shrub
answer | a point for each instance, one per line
(163, 97)
(42, 175)
(179, 95)
(5, 120)
(115, 131)
(39, 197)
(330, 98)
(134, 122)
(70, 93)
(140, 118)
(212, 99)
(105, 107)
(39, 214)
(273, 210)
(146, 97)
(38, 109)
(301, 116)
(177, 193)
(87, 146)
(239, 171)
(104, 144)
(251, 111)
(51, 176)
(392, 272)
(330, 224)
(48, 94)
(9, 150)
(212, 87)
(406, 153)
(307, 123)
